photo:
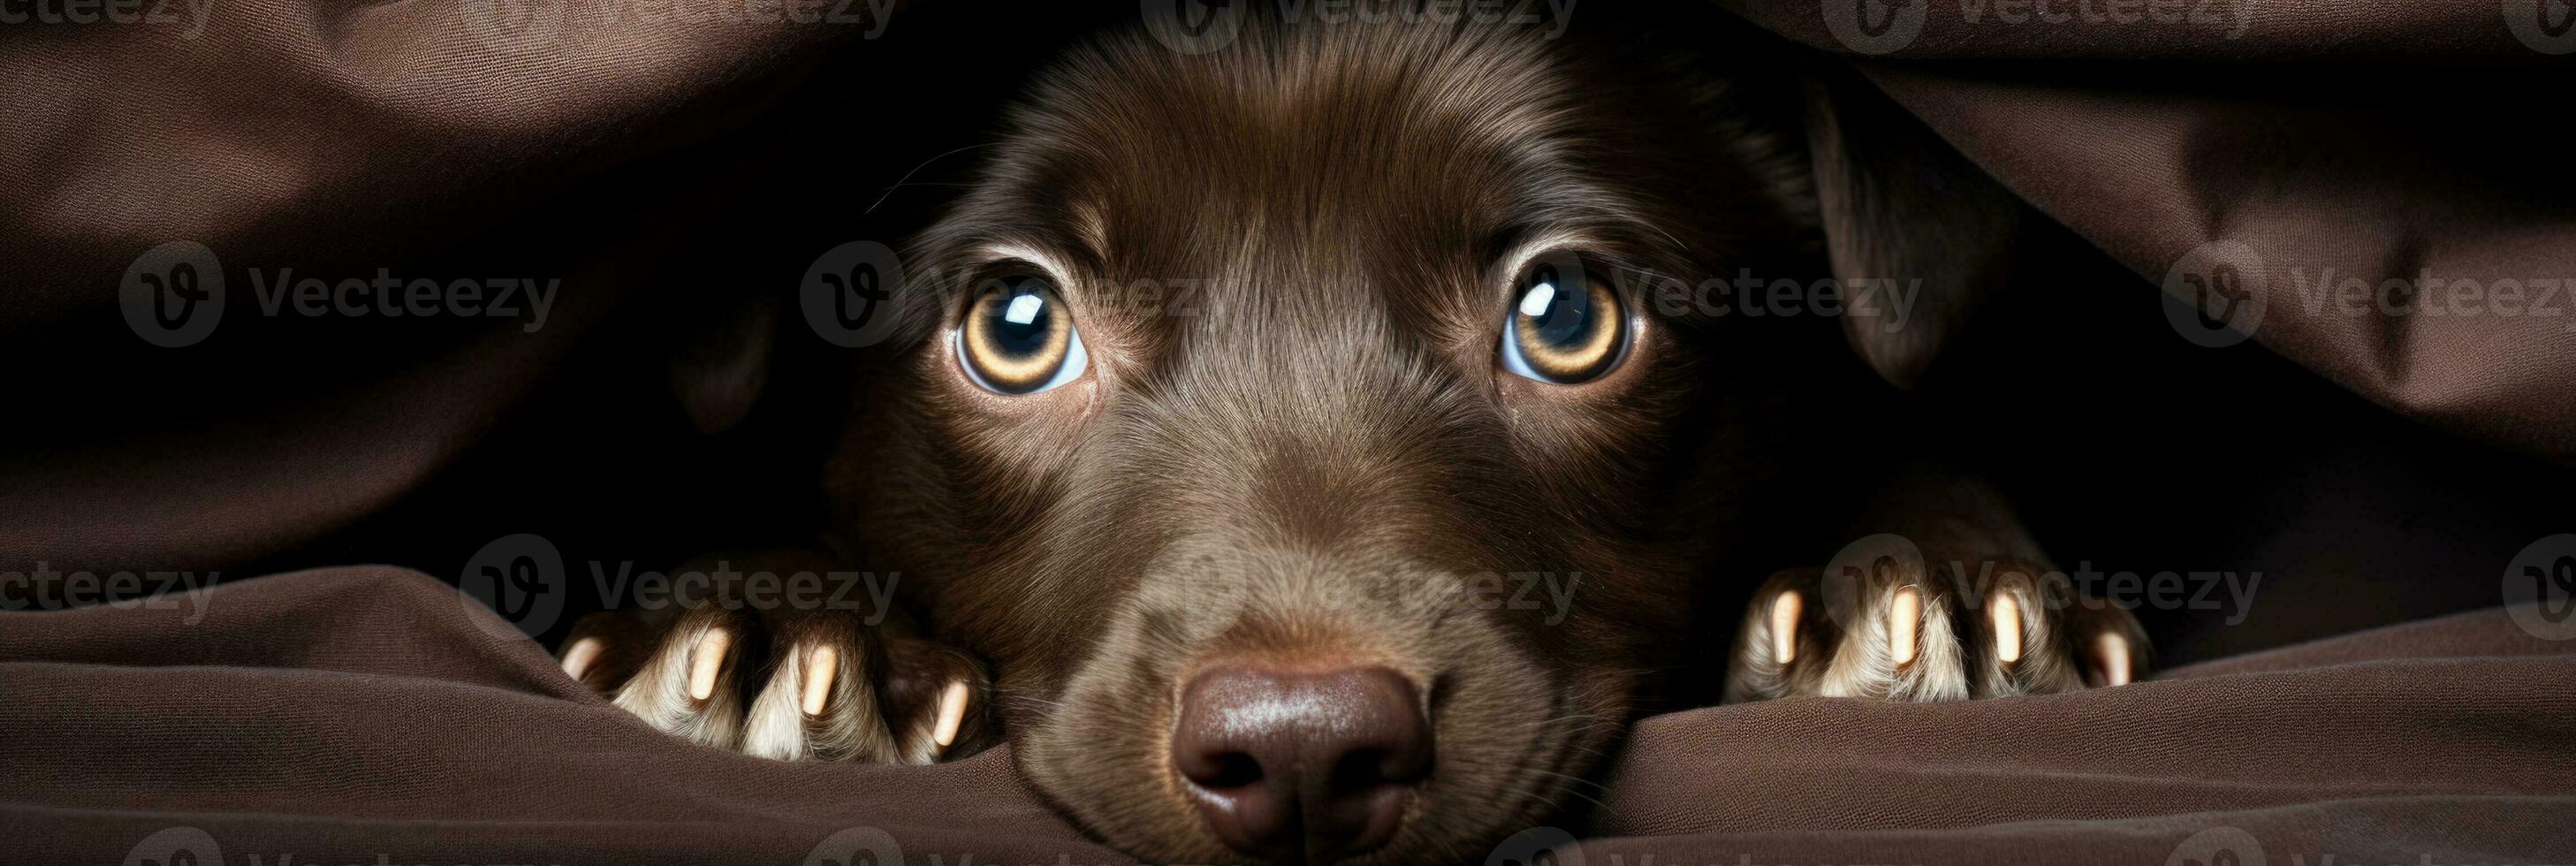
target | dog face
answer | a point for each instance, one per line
(1280, 423)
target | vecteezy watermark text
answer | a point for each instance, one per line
(173, 295)
(391, 297)
(1886, 301)
(868, 593)
(523, 578)
(2227, 591)
(1202, 26)
(524, 24)
(44, 588)
(2231, 592)
(188, 15)
(190, 846)
(2219, 293)
(1884, 26)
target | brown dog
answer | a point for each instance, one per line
(1364, 534)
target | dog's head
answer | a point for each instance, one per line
(1296, 428)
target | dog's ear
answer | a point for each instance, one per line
(1903, 209)
(720, 362)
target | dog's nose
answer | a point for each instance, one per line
(1293, 766)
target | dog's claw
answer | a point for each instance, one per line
(952, 714)
(2005, 613)
(1784, 626)
(1908, 633)
(2111, 658)
(822, 665)
(1904, 617)
(707, 659)
(790, 686)
(578, 658)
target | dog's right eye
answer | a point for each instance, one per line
(1565, 327)
(1019, 338)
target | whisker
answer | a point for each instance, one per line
(906, 179)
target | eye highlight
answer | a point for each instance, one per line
(1564, 327)
(1019, 338)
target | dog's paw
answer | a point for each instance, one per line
(789, 685)
(1900, 630)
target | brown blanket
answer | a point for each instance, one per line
(346, 715)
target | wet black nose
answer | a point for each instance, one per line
(1297, 766)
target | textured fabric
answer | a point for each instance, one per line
(339, 715)
(2376, 178)
(292, 140)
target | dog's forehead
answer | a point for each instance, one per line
(1384, 168)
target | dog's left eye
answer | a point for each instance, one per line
(1018, 338)
(1564, 326)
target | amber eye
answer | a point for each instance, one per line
(1565, 326)
(1018, 338)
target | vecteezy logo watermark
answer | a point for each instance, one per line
(1882, 562)
(541, 23)
(177, 846)
(1424, 594)
(2540, 588)
(523, 579)
(173, 294)
(189, 846)
(1886, 301)
(520, 577)
(190, 14)
(2431, 295)
(1880, 26)
(1193, 26)
(2214, 294)
(848, 293)
(2548, 26)
(2228, 593)
(869, 594)
(47, 589)
(1886, 556)
(497, 23)
(856, 846)
(1875, 26)
(2218, 846)
(1537, 846)
(1548, 594)
(1202, 26)
(2236, 14)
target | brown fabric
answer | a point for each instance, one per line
(339, 715)
(443, 140)
(2406, 142)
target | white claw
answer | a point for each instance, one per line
(1904, 613)
(952, 714)
(2111, 650)
(578, 658)
(705, 660)
(1784, 626)
(2006, 615)
(822, 665)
